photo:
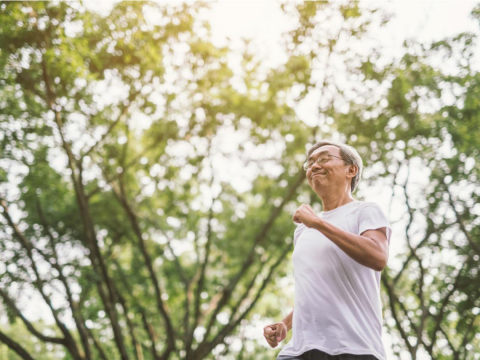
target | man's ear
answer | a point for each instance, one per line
(352, 171)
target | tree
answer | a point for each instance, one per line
(414, 121)
(148, 183)
(417, 138)
(124, 224)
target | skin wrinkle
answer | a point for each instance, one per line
(335, 169)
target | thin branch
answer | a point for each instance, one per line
(203, 267)
(409, 210)
(121, 197)
(452, 347)
(420, 296)
(429, 232)
(460, 222)
(15, 346)
(251, 285)
(82, 201)
(69, 340)
(151, 334)
(97, 344)
(11, 304)
(260, 237)
(73, 305)
(465, 340)
(138, 307)
(178, 265)
(205, 347)
(394, 182)
(439, 316)
(131, 329)
(419, 330)
(391, 297)
(108, 299)
(123, 114)
(201, 278)
(109, 179)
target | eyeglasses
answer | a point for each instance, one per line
(322, 159)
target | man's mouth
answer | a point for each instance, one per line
(317, 174)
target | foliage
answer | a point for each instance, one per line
(148, 184)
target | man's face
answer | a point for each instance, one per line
(330, 175)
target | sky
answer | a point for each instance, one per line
(264, 22)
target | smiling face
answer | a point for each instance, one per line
(332, 177)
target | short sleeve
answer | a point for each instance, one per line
(298, 231)
(371, 217)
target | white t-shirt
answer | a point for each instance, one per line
(337, 301)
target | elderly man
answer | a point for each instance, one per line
(338, 257)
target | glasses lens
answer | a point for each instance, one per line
(320, 160)
(323, 159)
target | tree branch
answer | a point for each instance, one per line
(97, 344)
(76, 313)
(462, 346)
(452, 347)
(391, 297)
(460, 222)
(109, 179)
(69, 343)
(11, 304)
(15, 346)
(138, 307)
(123, 114)
(131, 329)
(228, 290)
(205, 347)
(439, 316)
(203, 267)
(121, 197)
(82, 200)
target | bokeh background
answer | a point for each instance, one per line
(150, 164)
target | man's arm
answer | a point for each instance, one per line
(288, 321)
(369, 249)
(275, 333)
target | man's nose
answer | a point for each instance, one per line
(316, 165)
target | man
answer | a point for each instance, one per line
(338, 258)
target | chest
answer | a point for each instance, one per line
(313, 250)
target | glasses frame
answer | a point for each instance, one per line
(329, 156)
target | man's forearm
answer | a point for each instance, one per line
(288, 321)
(362, 249)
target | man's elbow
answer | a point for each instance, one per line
(380, 264)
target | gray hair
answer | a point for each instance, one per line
(348, 154)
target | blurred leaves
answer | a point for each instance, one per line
(151, 180)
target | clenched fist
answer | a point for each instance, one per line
(275, 333)
(306, 216)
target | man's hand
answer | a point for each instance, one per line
(305, 215)
(275, 333)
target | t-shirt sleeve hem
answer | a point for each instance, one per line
(376, 227)
(374, 219)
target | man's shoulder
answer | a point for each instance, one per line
(367, 207)
(371, 208)
(367, 204)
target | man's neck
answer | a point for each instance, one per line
(335, 200)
